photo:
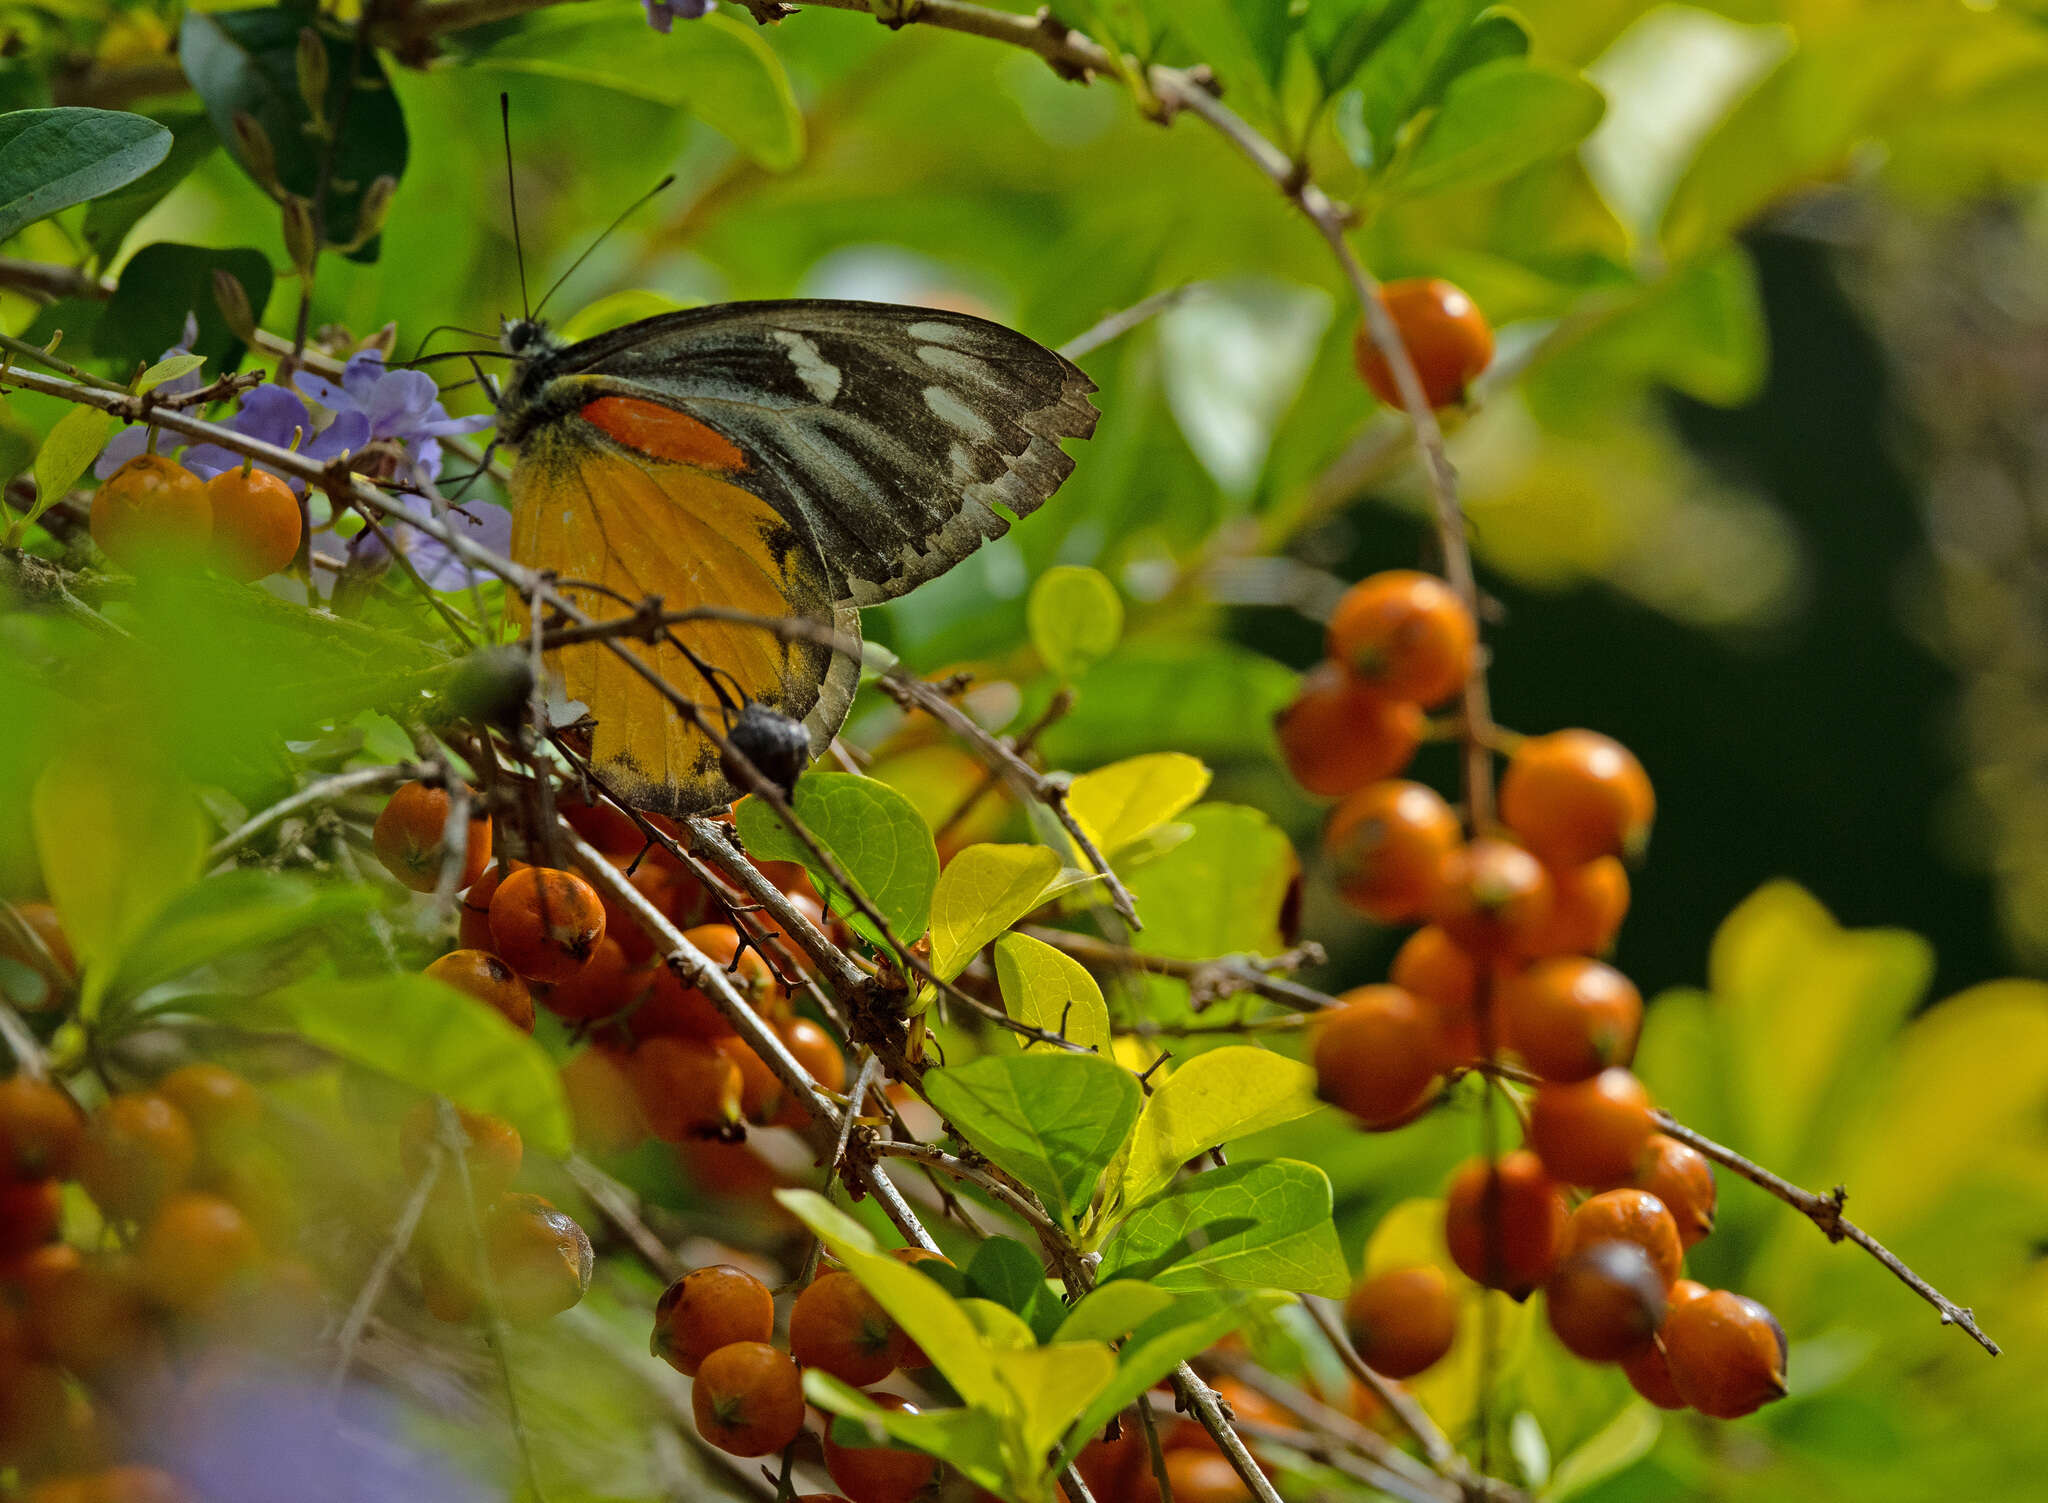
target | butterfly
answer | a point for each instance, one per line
(796, 458)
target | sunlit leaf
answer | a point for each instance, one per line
(970, 1438)
(1497, 120)
(1256, 1225)
(1127, 800)
(1052, 1119)
(71, 447)
(168, 370)
(1051, 990)
(1075, 616)
(982, 891)
(1213, 1098)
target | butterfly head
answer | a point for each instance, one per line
(523, 338)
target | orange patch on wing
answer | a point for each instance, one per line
(664, 433)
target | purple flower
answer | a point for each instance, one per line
(276, 416)
(400, 406)
(662, 14)
(478, 522)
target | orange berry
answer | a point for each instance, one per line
(491, 981)
(1375, 1056)
(35, 1410)
(546, 923)
(1109, 1466)
(1199, 1476)
(541, 1259)
(604, 986)
(881, 1472)
(41, 1130)
(1680, 1177)
(1386, 845)
(1447, 338)
(30, 1213)
(1574, 796)
(473, 930)
(687, 1089)
(818, 1052)
(1570, 1017)
(600, 821)
(193, 1249)
(41, 921)
(838, 1327)
(1647, 1371)
(256, 523)
(1445, 981)
(85, 1313)
(409, 838)
(139, 1149)
(1726, 1354)
(150, 511)
(1491, 895)
(1504, 1228)
(1628, 1216)
(722, 1167)
(1338, 735)
(762, 1096)
(601, 1100)
(676, 1010)
(1405, 635)
(1402, 1321)
(1605, 1301)
(1587, 905)
(709, 1308)
(748, 1399)
(1592, 1131)
(222, 1107)
(494, 1149)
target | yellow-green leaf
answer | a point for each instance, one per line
(118, 838)
(1213, 1098)
(981, 892)
(168, 369)
(1125, 801)
(1075, 617)
(617, 309)
(74, 443)
(1052, 1384)
(1051, 990)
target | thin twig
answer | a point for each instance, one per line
(1222, 976)
(321, 791)
(395, 1246)
(1436, 1446)
(1825, 1212)
(1120, 323)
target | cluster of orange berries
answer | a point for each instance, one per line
(1505, 960)
(179, 1166)
(244, 522)
(716, 1326)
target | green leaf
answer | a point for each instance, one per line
(52, 159)
(1006, 1271)
(717, 68)
(234, 913)
(424, 1034)
(71, 447)
(1210, 699)
(118, 837)
(1054, 1120)
(1407, 67)
(1051, 990)
(1124, 802)
(1075, 617)
(18, 442)
(1213, 1098)
(873, 831)
(1625, 1440)
(168, 370)
(1112, 1310)
(1342, 34)
(246, 62)
(162, 285)
(1054, 1384)
(969, 1438)
(1262, 1225)
(111, 218)
(1221, 890)
(982, 891)
(1191, 1324)
(1497, 120)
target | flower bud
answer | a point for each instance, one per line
(313, 76)
(301, 239)
(372, 210)
(233, 301)
(259, 158)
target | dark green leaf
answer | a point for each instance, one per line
(246, 62)
(1006, 1271)
(873, 831)
(52, 159)
(161, 285)
(110, 218)
(1342, 34)
(1263, 1225)
(1053, 1120)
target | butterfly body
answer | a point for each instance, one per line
(798, 458)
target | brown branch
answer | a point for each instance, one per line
(322, 791)
(1825, 1212)
(1223, 976)
(44, 280)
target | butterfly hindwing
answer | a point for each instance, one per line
(896, 440)
(619, 526)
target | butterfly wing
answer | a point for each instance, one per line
(786, 459)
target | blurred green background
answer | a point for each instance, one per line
(1761, 490)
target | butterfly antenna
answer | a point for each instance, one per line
(428, 337)
(631, 209)
(512, 196)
